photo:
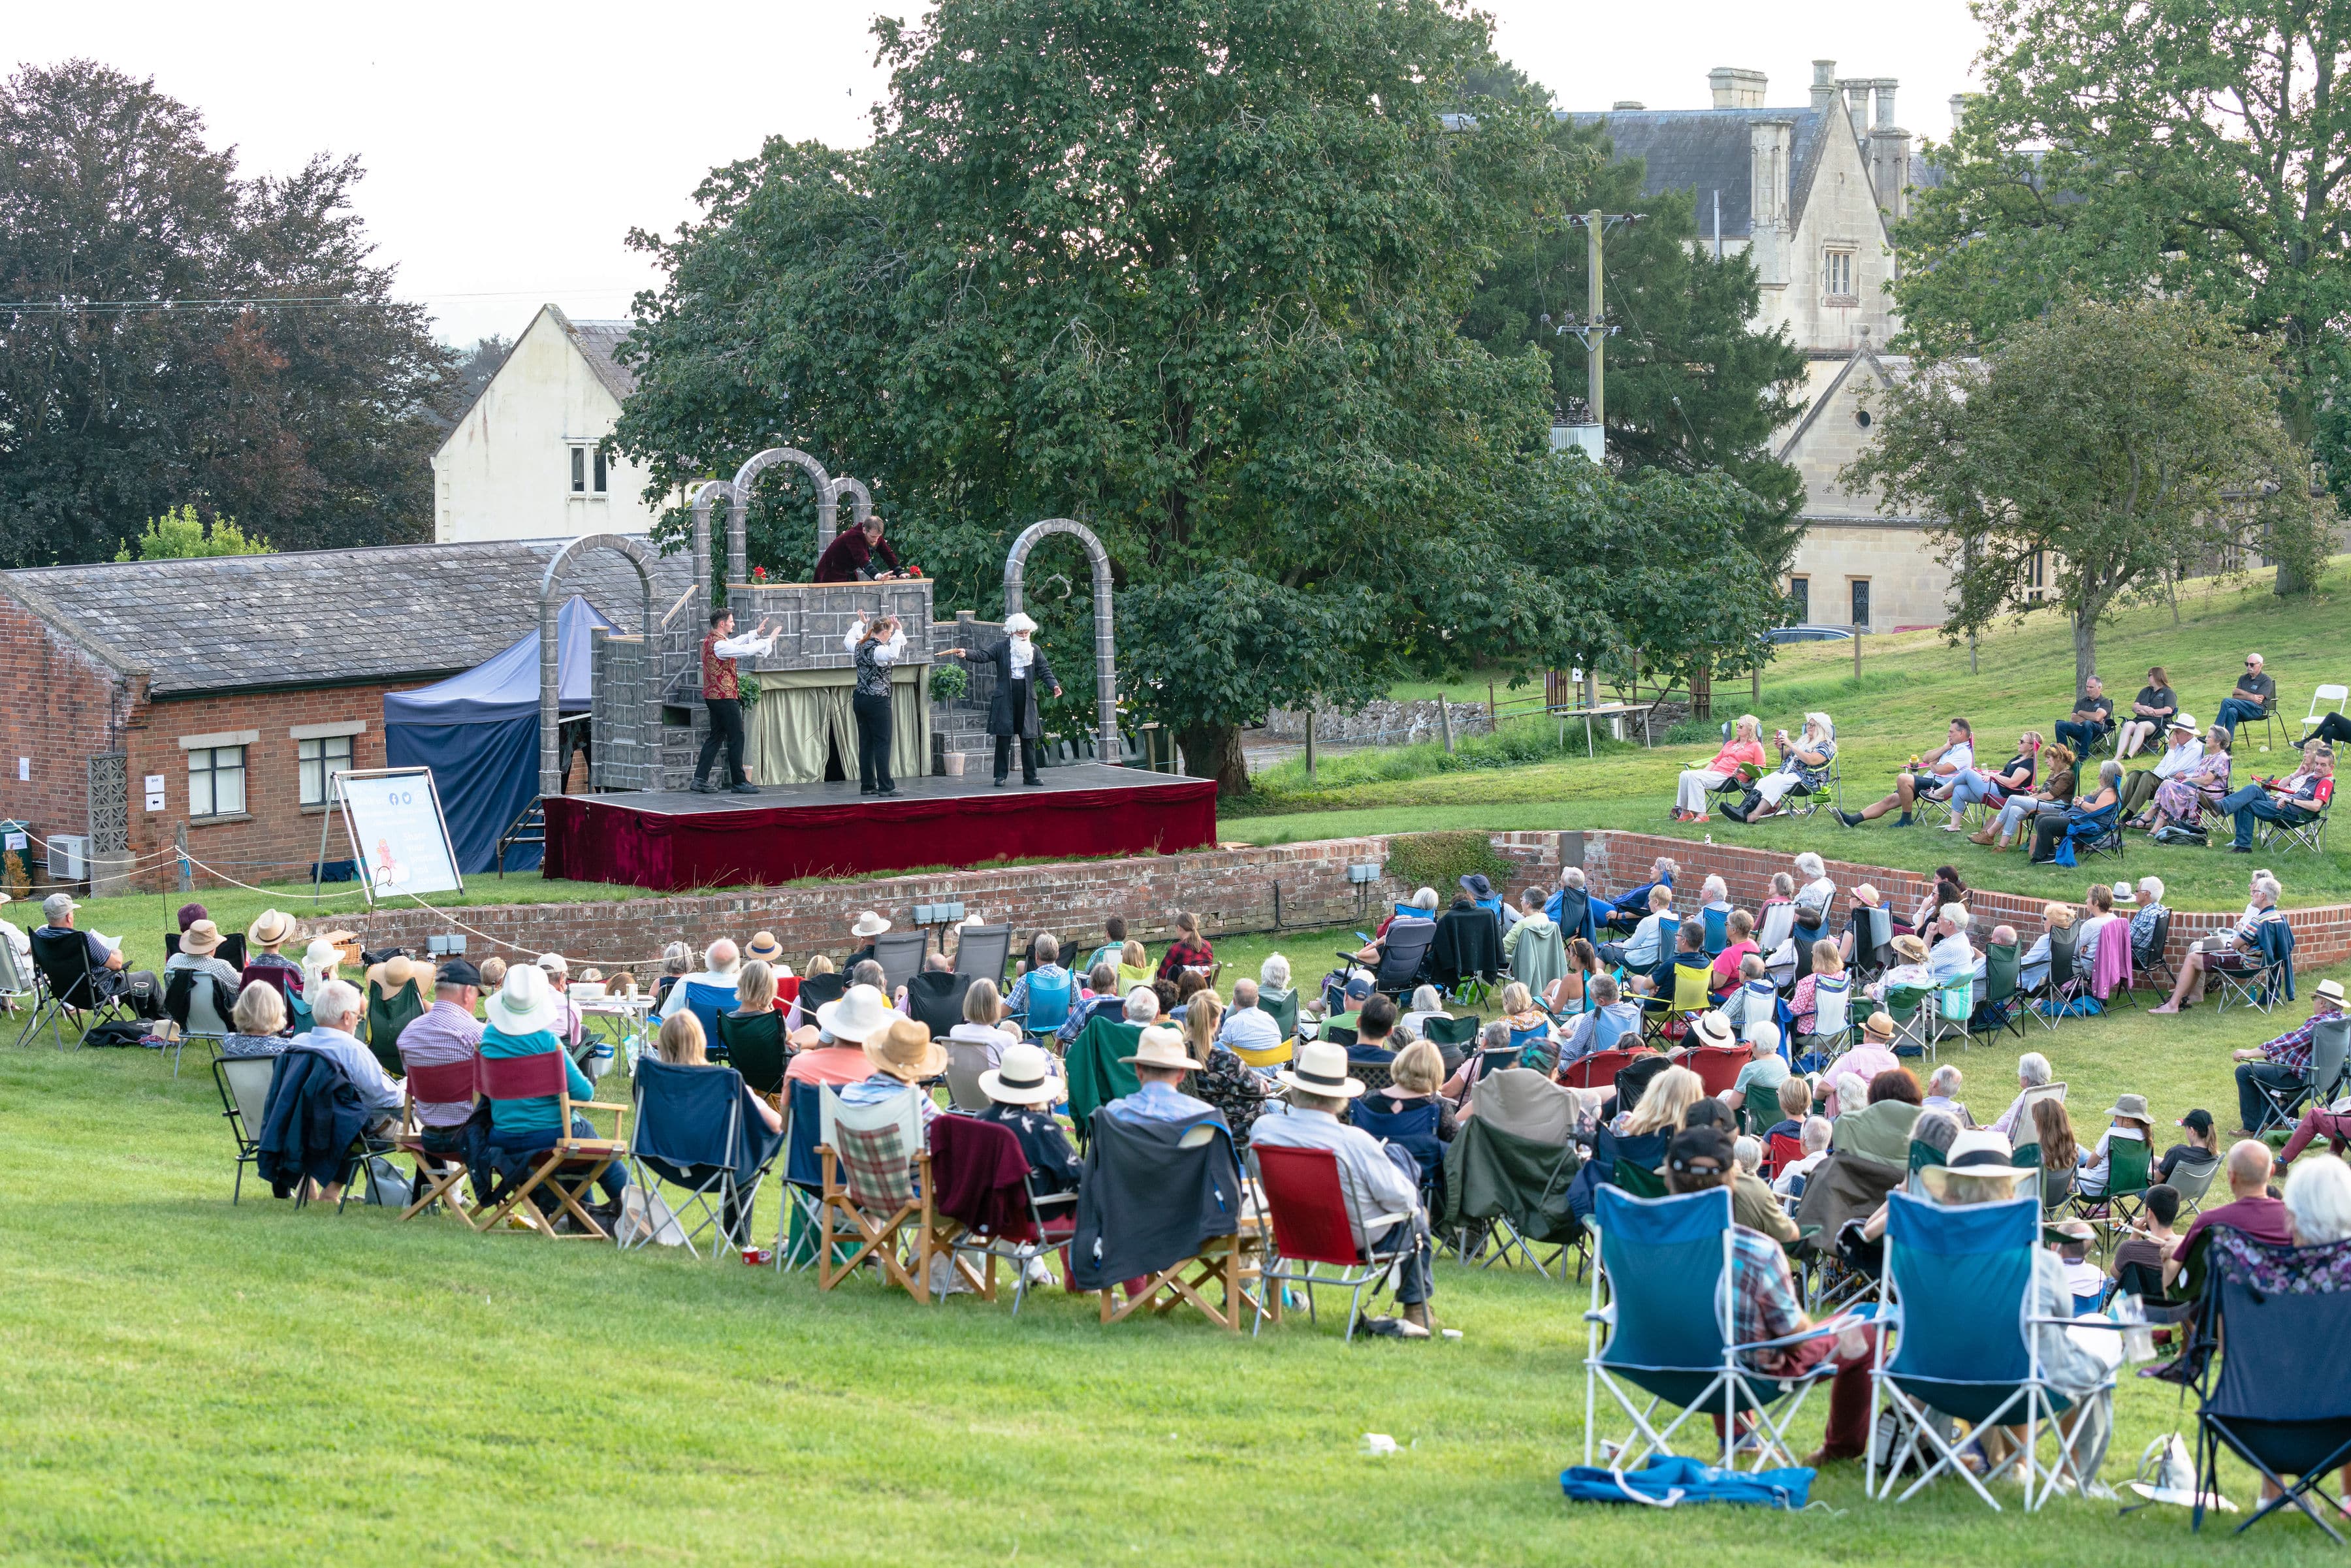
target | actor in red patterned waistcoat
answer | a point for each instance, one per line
(722, 695)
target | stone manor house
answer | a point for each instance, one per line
(1811, 193)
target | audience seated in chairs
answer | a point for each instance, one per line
(114, 983)
(257, 1025)
(444, 1035)
(1939, 772)
(1021, 1091)
(2182, 752)
(2294, 802)
(1743, 750)
(1421, 905)
(1190, 950)
(1382, 1184)
(2152, 712)
(2240, 949)
(755, 1029)
(722, 964)
(1647, 947)
(2250, 1209)
(1468, 944)
(199, 951)
(1634, 1141)
(2185, 796)
(522, 1020)
(2019, 813)
(1609, 1022)
(1161, 1063)
(2092, 720)
(1804, 768)
(2282, 1065)
(1533, 949)
(1989, 787)
(1628, 909)
(2092, 817)
(2250, 697)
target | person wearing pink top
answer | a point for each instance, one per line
(1744, 746)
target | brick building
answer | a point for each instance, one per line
(219, 694)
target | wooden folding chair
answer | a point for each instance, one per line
(577, 1161)
(439, 1175)
(877, 1178)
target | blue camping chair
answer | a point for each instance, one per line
(706, 1002)
(1048, 1004)
(1411, 1127)
(1665, 1263)
(2285, 1320)
(803, 1172)
(694, 1129)
(1958, 1348)
(1523, 1040)
(2095, 832)
(1718, 931)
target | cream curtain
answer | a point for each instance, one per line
(803, 713)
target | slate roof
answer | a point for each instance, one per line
(597, 340)
(1708, 150)
(318, 618)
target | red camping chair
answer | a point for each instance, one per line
(1311, 1226)
(1716, 1066)
(1784, 1152)
(438, 1173)
(577, 1161)
(1599, 1070)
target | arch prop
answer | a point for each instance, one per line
(1106, 742)
(550, 770)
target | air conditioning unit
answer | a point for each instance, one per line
(70, 857)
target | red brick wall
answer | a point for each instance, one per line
(55, 715)
(1231, 890)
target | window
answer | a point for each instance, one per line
(216, 781)
(1800, 591)
(578, 470)
(1836, 272)
(1861, 601)
(321, 759)
(601, 472)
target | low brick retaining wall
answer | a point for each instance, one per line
(1282, 887)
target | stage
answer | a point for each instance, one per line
(672, 841)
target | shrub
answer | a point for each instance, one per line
(948, 682)
(1441, 860)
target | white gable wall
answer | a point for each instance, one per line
(504, 472)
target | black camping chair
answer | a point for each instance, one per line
(818, 990)
(1404, 958)
(2280, 1397)
(935, 1000)
(199, 1004)
(753, 1045)
(2149, 967)
(900, 954)
(65, 981)
(982, 951)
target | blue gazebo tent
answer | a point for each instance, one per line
(479, 732)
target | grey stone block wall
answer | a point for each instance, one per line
(812, 620)
(624, 721)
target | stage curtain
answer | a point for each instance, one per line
(800, 711)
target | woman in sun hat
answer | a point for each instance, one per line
(200, 951)
(764, 948)
(272, 929)
(1909, 969)
(523, 1016)
(831, 1050)
(1021, 1092)
(2129, 1120)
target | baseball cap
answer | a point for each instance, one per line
(2200, 1121)
(1709, 1112)
(457, 972)
(1701, 1143)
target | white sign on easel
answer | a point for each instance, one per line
(398, 835)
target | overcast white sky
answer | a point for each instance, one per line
(510, 145)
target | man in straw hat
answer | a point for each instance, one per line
(1766, 1305)
(2281, 1064)
(1381, 1182)
(1020, 1091)
(903, 1056)
(272, 929)
(200, 951)
(1160, 1062)
(1020, 669)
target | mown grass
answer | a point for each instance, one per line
(1911, 685)
(182, 1381)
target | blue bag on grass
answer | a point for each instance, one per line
(1668, 1480)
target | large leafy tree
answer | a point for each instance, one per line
(2112, 442)
(310, 424)
(1164, 266)
(2190, 147)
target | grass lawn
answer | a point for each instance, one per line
(1911, 685)
(187, 1382)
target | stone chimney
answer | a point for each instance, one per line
(1771, 147)
(1626, 103)
(1889, 153)
(1825, 88)
(1959, 101)
(1736, 86)
(1856, 105)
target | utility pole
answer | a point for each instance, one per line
(1593, 332)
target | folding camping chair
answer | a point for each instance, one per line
(900, 954)
(2268, 977)
(1666, 1271)
(1999, 1008)
(1716, 1066)
(1509, 1169)
(708, 1004)
(1404, 956)
(756, 1047)
(1953, 1010)
(1314, 1228)
(983, 951)
(692, 1133)
(2126, 1190)
(1284, 1006)
(2305, 831)
(64, 981)
(440, 1174)
(14, 987)
(877, 1179)
(803, 1175)
(1718, 931)
(1048, 1004)
(243, 1082)
(1960, 1348)
(2281, 1398)
(567, 1164)
(935, 1000)
(200, 1005)
(1124, 1159)
(2330, 1044)
(966, 1060)
(1872, 929)
(1913, 1021)
(2151, 965)
(1598, 1069)
(1832, 1018)
(1045, 1225)
(2065, 981)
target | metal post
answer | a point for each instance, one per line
(1309, 742)
(1856, 650)
(1445, 718)
(1593, 223)
(1755, 687)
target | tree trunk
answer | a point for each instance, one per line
(2086, 648)
(1214, 751)
(1701, 692)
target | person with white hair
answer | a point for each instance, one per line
(1422, 906)
(2239, 949)
(1818, 1131)
(1427, 1004)
(1804, 764)
(2146, 911)
(1744, 748)
(1630, 907)
(722, 965)
(1273, 975)
(1943, 1095)
(337, 1010)
(1013, 711)
(2032, 1072)
(1951, 954)
(2318, 1201)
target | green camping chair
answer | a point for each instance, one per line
(1762, 1108)
(1922, 1154)
(1638, 1181)
(2128, 1161)
(1096, 1074)
(1913, 1028)
(1284, 1006)
(2001, 962)
(1446, 1030)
